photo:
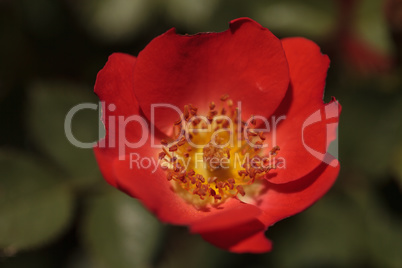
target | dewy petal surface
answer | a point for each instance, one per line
(246, 61)
(310, 124)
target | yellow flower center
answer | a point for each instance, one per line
(215, 157)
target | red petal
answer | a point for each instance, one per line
(240, 238)
(114, 87)
(247, 62)
(257, 243)
(283, 200)
(120, 110)
(240, 214)
(310, 124)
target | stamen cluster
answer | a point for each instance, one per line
(220, 176)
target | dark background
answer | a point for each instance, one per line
(55, 208)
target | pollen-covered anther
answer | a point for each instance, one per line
(213, 113)
(164, 142)
(196, 121)
(240, 190)
(274, 151)
(253, 121)
(230, 183)
(242, 173)
(186, 113)
(261, 135)
(181, 142)
(173, 148)
(162, 155)
(251, 133)
(257, 145)
(193, 110)
(224, 97)
(215, 156)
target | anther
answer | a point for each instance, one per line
(182, 141)
(200, 178)
(240, 190)
(173, 148)
(253, 121)
(261, 135)
(193, 110)
(274, 150)
(242, 173)
(224, 97)
(162, 155)
(257, 145)
(164, 142)
(186, 112)
(251, 133)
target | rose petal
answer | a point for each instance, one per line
(257, 243)
(114, 87)
(283, 200)
(247, 62)
(234, 237)
(239, 214)
(310, 124)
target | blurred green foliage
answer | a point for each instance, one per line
(57, 211)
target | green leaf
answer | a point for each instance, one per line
(50, 103)
(35, 206)
(326, 234)
(382, 229)
(397, 164)
(295, 18)
(120, 232)
(371, 24)
(182, 248)
(111, 21)
(191, 13)
(369, 129)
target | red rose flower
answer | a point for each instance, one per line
(248, 147)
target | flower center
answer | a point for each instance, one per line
(215, 157)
